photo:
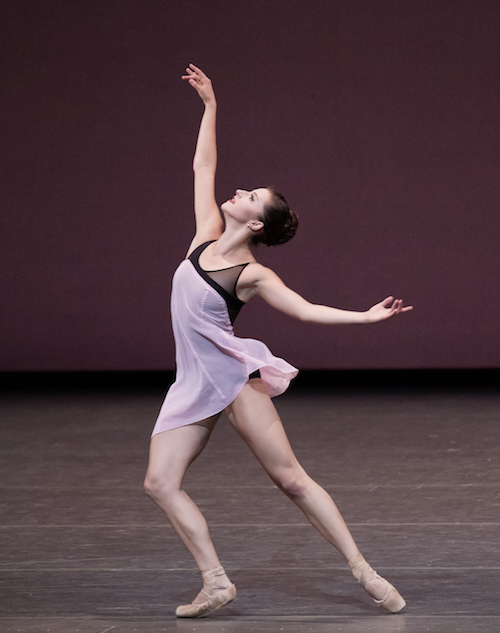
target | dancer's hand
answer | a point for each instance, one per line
(386, 309)
(201, 83)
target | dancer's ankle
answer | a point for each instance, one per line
(216, 578)
(372, 583)
(356, 560)
(217, 591)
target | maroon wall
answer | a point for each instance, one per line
(378, 120)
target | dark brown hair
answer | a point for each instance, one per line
(280, 223)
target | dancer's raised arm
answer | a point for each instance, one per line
(208, 219)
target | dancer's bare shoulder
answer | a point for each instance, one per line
(257, 279)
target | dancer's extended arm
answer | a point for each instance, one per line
(208, 219)
(259, 280)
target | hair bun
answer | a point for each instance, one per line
(290, 228)
(280, 223)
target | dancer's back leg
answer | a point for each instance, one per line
(255, 418)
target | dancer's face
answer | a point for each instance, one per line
(247, 205)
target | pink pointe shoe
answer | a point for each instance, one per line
(214, 595)
(374, 584)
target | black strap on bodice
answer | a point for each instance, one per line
(223, 280)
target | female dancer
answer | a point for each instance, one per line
(217, 371)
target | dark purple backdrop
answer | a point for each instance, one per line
(378, 120)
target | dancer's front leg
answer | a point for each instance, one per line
(171, 453)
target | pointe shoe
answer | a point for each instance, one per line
(211, 597)
(391, 599)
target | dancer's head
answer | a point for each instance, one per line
(279, 222)
(265, 213)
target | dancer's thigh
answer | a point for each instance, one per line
(171, 452)
(255, 418)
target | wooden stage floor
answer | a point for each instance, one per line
(415, 472)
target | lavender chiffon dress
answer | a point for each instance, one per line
(212, 364)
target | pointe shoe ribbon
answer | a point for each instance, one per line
(210, 598)
(391, 600)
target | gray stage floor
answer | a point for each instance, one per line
(416, 474)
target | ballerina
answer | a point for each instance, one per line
(217, 371)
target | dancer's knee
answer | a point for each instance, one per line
(160, 487)
(151, 485)
(294, 484)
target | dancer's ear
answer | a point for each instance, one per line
(255, 225)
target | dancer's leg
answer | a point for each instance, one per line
(255, 418)
(171, 453)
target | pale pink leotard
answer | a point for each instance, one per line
(212, 364)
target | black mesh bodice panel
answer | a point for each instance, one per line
(223, 280)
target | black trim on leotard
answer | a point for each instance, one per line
(234, 305)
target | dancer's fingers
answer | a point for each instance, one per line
(197, 70)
